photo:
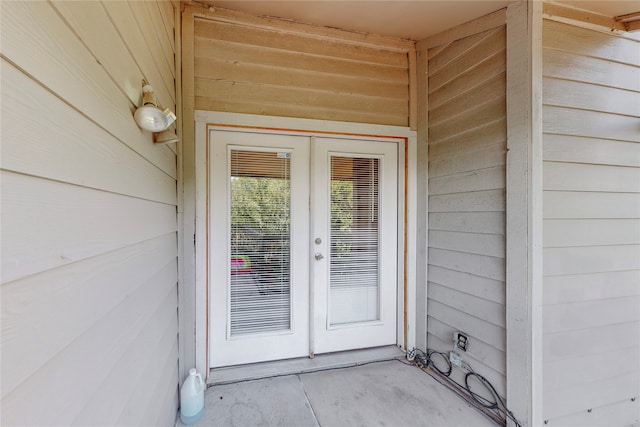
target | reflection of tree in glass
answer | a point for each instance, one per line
(261, 203)
(260, 221)
(260, 217)
(341, 216)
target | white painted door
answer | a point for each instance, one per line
(275, 262)
(258, 242)
(354, 243)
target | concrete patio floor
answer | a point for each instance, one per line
(389, 393)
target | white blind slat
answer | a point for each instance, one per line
(260, 193)
(354, 236)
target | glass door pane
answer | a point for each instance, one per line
(354, 236)
(355, 222)
(260, 212)
(258, 243)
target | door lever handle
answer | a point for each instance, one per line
(319, 256)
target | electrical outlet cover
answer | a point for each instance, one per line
(460, 341)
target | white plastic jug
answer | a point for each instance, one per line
(192, 398)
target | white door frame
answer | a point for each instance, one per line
(383, 329)
(206, 120)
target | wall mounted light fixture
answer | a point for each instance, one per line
(150, 116)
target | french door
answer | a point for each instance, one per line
(302, 245)
(354, 266)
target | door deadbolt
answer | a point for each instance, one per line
(319, 256)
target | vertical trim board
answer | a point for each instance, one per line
(422, 208)
(524, 211)
(194, 338)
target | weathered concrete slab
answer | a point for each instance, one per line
(303, 365)
(386, 394)
(270, 402)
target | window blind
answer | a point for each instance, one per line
(260, 202)
(354, 240)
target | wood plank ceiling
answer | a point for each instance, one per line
(414, 20)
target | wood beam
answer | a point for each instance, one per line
(631, 21)
(562, 13)
(524, 212)
(308, 30)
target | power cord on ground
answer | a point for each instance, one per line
(430, 359)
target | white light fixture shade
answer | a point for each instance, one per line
(149, 116)
(151, 119)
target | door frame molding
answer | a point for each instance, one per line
(408, 305)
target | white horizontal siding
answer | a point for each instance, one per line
(138, 42)
(89, 252)
(466, 187)
(247, 69)
(33, 35)
(34, 209)
(624, 413)
(107, 164)
(591, 149)
(591, 286)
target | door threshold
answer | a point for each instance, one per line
(302, 365)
